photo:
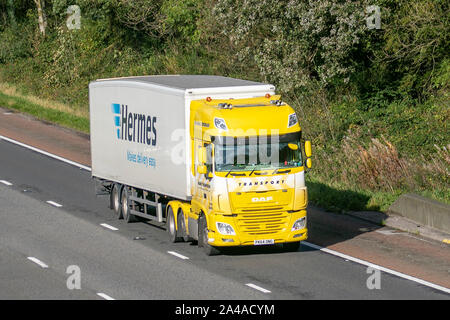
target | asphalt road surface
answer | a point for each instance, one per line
(51, 219)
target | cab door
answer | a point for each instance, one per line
(201, 197)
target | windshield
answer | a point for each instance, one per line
(257, 153)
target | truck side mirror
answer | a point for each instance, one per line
(308, 163)
(202, 169)
(202, 155)
(308, 148)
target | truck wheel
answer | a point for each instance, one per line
(125, 211)
(170, 226)
(182, 226)
(115, 200)
(203, 238)
(291, 246)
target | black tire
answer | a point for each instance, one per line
(171, 227)
(203, 238)
(115, 203)
(181, 223)
(291, 246)
(125, 207)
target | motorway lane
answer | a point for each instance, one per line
(112, 261)
(109, 263)
(21, 278)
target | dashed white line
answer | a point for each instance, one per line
(177, 255)
(53, 203)
(38, 262)
(6, 182)
(368, 264)
(79, 165)
(108, 226)
(254, 286)
(105, 296)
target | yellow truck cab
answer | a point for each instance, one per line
(252, 201)
(244, 155)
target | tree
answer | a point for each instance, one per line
(295, 42)
(42, 19)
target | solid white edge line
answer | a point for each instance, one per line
(105, 296)
(76, 164)
(399, 274)
(108, 226)
(55, 204)
(254, 286)
(37, 261)
(177, 255)
(369, 264)
(6, 182)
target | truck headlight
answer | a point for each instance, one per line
(225, 229)
(299, 224)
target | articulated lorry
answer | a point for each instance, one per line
(220, 161)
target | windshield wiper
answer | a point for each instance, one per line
(234, 174)
(285, 171)
(260, 173)
(257, 173)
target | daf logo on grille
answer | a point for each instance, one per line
(262, 199)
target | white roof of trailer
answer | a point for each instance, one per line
(186, 82)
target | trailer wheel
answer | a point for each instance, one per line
(125, 211)
(291, 246)
(203, 238)
(170, 226)
(115, 200)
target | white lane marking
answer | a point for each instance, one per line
(387, 270)
(7, 113)
(37, 261)
(53, 203)
(76, 164)
(254, 286)
(105, 296)
(108, 226)
(402, 233)
(6, 182)
(388, 232)
(177, 255)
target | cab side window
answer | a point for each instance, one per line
(209, 164)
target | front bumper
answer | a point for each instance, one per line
(243, 237)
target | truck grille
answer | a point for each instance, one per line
(262, 222)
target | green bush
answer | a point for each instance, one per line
(15, 43)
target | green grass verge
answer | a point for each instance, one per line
(62, 118)
(339, 198)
